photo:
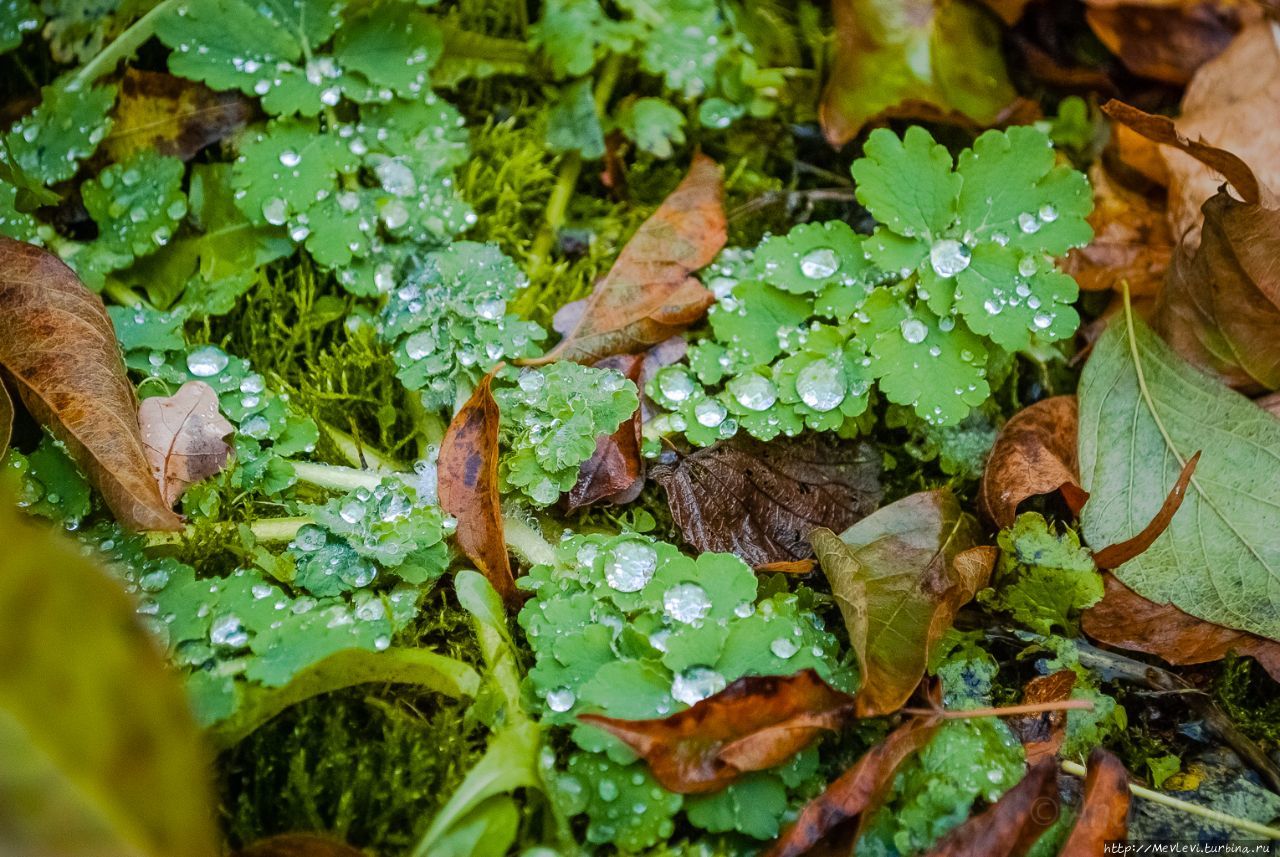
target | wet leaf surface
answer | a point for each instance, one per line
(761, 500)
(1042, 734)
(185, 437)
(58, 347)
(1035, 453)
(1104, 809)
(169, 115)
(1010, 826)
(615, 471)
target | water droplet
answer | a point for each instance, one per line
(696, 684)
(396, 177)
(710, 413)
(207, 361)
(227, 631)
(914, 330)
(352, 511)
(561, 699)
(1027, 266)
(820, 263)
(675, 384)
(608, 790)
(821, 385)
(949, 257)
(255, 426)
(1042, 320)
(784, 647)
(745, 609)
(275, 210)
(1048, 213)
(310, 538)
(754, 392)
(1028, 222)
(686, 602)
(631, 566)
(290, 158)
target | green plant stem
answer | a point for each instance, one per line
(336, 477)
(265, 530)
(1078, 770)
(360, 455)
(429, 427)
(121, 294)
(125, 46)
(526, 542)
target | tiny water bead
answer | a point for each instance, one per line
(686, 603)
(207, 361)
(914, 330)
(754, 392)
(821, 385)
(631, 567)
(819, 264)
(784, 647)
(696, 684)
(949, 257)
(1048, 213)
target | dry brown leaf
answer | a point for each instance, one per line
(59, 348)
(1010, 11)
(468, 467)
(1010, 826)
(1126, 620)
(6, 419)
(157, 112)
(648, 295)
(298, 845)
(1104, 809)
(1166, 40)
(615, 471)
(1042, 734)
(754, 724)
(1114, 556)
(184, 438)
(1035, 453)
(1131, 240)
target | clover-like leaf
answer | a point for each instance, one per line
(65, 129)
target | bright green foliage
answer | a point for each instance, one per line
(17, 17)
(49, 144)
(14, 223)
(573, 124)
(654, 125)
(610, 793)
(78, 30)
(448, 321)
(48, 483)
(551, 417)
(630, 627)
(1043, 579)
(1086, 728)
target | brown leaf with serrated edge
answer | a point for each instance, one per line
(1117, 555)
(899, 576)
(1126, 620)
(1042, 734)
(1165, 40)
(648, 295)
(298, 845)
(6, 419)
(761, 500)
(1131, 242)
(158, 112)
(183, 436)
(756, 723)
(1035, 453)
(1104, 809)
(614, 469)
(858, 792)
(59, 348)
(468, 467)
(1010, 826)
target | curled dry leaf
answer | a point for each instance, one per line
(648, 295)
(1042, 734)
(1126, 620)
(184, 437)
(157, 112)
(1035, 453)
(615, 471)
(899, 579)
(754, 724)
(762, 500)
(6, 418)
(1165, 40)
(1104, 809)
(1131, 242)
(58, 347)
(298, 845)
(858, 792)
(468, 467)
(1010, 826)
(1116, 555)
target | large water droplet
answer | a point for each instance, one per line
(1042, 320)
(710, 413)
(290, 158)
(631, 566)
(1028, 222)
(1048, 213)
(1027, 266)
(696, 684)
(914, 330)
(207, 361)
(949, 257)
(686, 602)
(821, 385)
(675, 384)
(561, 699)
(754, 392)
(820, 263)
(784, 647)
(275, 210)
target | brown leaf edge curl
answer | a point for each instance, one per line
(468, 467)
(615, 471)
(1035, 453)
(59, 349)
(6, 418)
(1104, 809)
(1042, 734)
(1118, 554)
(1010, 826)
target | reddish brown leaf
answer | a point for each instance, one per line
(1118, 554)
(1131, 242)
(1010, 826)
(1034, 454)
(1010, 11)
(899, 576)
(1042, 734)
(183, 436)
(468, 468)
(6, 418)
(796, 566)
(58, 346)
(615, 471)
(756, 723)
(857, 792)
(648, 295)
(1126, 620)
(298, 845)
(1104, 809)
(761, 500)
(1164, 40)
(172, 116)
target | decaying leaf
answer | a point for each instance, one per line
(1010, 826)
(761, 500)
(6, 418)
(899, 580)
(298, 845)
(1042, 734)
(754, 724)
(1104, 809)
(1126, 620)
(857, 792)
(468, 467)
(157, 112)
(184, 437)
(1035, 453)
(1113, 556)
(615, 471)
(1164, 40)
(58, 347)
(1131, 245)
(648, 295)
(919, 59)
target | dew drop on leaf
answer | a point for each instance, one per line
(561, 699)
(695, 684)
(820, 263)
(207, 361)
(754, 392)
(709, 413)
(686, 603)
(821, 385)
(949, 257)
(631, 566)
(914, 330)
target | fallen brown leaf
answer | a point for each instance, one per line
(298, 845)
(761, 500)
(1042, 734)
(468, 467)
(858, 792)
(756, 723)
(1104, 809)
(1118, 554)
(1010, 826)
(1165, 40)
(1035, 453)
(6, 419)
(615, 471)
(1010, 11)
(1126, 620)
(648, 295)
(795, 566)
(58, 347)
(183, 436)
(899, 579)
(170, 115)
(1131, 241)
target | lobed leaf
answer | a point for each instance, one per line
(183, 436)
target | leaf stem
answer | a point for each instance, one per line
(335, 477)
(265, 530)
(359, 454)
(1078, 770)
(125, 46)
(1004, 711)
(526, 542)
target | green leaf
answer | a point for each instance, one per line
(811, 257)
(65, 129)
(50, 485)
(573, 123)
(907, 184)
(1143, 413)
(653, 125)
(392, 45)
(17, 18)
(101, 754)
(574, 34)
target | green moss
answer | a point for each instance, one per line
(1249, 697)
